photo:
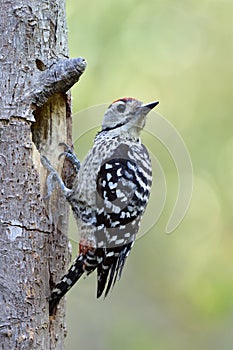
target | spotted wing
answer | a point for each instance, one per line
(123, 188)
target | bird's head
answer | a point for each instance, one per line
(127, 115)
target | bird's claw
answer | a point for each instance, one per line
(69, 154)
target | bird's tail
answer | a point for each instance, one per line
(67, 281)
(110, 269)
(109, 263)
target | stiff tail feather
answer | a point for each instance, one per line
(111, 268)
(68, 280)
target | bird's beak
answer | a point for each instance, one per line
(150, 105)
(142, 112)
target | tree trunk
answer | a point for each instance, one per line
(34, 118)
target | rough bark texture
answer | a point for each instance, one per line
(34, 119)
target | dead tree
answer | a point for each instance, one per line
(35, 117)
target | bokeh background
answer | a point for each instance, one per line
(176, 292)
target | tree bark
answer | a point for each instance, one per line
(34, 118)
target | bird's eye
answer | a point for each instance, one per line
(121, 108)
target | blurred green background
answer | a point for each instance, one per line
(176, 292)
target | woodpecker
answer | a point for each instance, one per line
(109, 196)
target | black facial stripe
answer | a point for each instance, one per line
(115, 127)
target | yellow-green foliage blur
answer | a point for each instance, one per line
(176, 292)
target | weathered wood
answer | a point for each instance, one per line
(34, 118)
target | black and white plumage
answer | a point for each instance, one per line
(109, 196)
